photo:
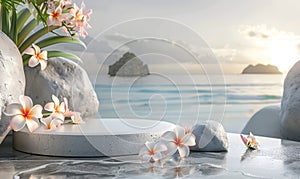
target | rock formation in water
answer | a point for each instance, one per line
(261, 69)
(128, 65)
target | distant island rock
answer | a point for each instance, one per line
(128, 65)
(261, 69)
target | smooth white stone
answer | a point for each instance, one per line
(265, 122)
(96, 137)
(12, 79)
(210, 137)
(63, 78)
(290, 104)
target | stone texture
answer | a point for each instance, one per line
(12, 79)
(265, 122)
(63, 78)
(128, 65)
(210, 137)
(100, 137)
(261, 69)
(290, 104)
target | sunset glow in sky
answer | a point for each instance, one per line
(238, 32)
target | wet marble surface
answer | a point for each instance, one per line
(275, 159)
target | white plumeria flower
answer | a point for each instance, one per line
(57, 109)
(152, 151)
(37, 56)
(75, 116)
(24, 114)
(178, 140)
(51, 123)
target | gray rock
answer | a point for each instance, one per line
(12, 79)
(210, 137)
(63, 78)
(265, 122)
(290, 104)
(128, 65)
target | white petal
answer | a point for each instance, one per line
(189, 139)
(46, 120)
(36, 111)
(32, 124)
(172, 148)
(160, 147)
(17, 123)
(33, 61)
(150, 145)
(180, 131)
(25, 101)
(43, 64)
(55, 100)
(146, 157)
(36, 48)
(49, 107)
(66, 104)
(76, 118)
(62, 107)
(144, 150)
(13, 109)
(58, 116)
(157, 156)
(168, 136)
(184, 151)
(29, 51)
(44, 55)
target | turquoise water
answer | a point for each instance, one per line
(188, 99)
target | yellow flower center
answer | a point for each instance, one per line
(152, 152)
(178, 141)
(26, 113)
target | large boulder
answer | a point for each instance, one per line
(62, 78)
(290, 104)
(12, 79)
(265, 122)
(210, 137)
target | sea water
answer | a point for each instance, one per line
(188, 99)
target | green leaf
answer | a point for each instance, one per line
(11, 4)
(26, 30)
(59, 39)
(30, 40)
(22, 17)
(13, 27)
(70, 56)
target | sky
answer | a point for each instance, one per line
(194, 36)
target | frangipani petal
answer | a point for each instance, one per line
(33, 61)
(62, 107)
(179, 131)
(76, 118)
(58, 116)
(244, 139)
(160, 147)
(49, 107)
(46, 121)
(25, 101)
(150, 145)
(13, 109)
(144, 150)
(172, 148)
(55, 100)
(184, 151)
(32, 124)
(157, 156)
(43, 64)
(36, 111)
(189, 139)
(36, 48)
(168, 136)
(44, 55)
(29, 51)
(17, 123)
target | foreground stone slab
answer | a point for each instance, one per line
(275, 159)
(97, 137)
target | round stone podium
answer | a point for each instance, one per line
(94, 138)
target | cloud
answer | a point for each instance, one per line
(265, 33)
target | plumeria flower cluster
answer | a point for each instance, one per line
(69, 16)
(250, 141)
(170, 142)
(24, 113)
